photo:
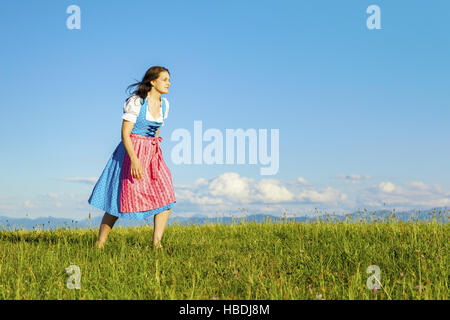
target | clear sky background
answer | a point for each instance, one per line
(363, 115)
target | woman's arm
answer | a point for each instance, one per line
(136, 166)
(157, 132)
(127, 126)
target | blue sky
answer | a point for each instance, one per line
(363, 115)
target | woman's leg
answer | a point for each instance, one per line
(159, 222)
(105, 227)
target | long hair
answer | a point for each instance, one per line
(143, 87)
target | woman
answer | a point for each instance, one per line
(136, 182)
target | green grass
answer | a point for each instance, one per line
(282, 260)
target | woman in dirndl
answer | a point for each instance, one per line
(136, 182)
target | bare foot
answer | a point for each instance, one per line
(99, 244)
(157, 246)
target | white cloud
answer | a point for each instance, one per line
(231, 186)
(52, 195)
(195, 198)
(28, 204)
(230, 189)
(352, 178)
(418, 185)
(415, 195)
(270, 190)
(386, 186)
(7, 206)
(329, 195)
(207, 200)
(201, 182)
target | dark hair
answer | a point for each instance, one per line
(144, 86)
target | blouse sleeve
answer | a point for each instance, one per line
(167, 108)
(131, 109)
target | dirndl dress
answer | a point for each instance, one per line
(118, 193)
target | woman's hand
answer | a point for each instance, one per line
(136, 169)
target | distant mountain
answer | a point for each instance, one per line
(440, 213)
(421, 215)
(8, 223)
(50, 223)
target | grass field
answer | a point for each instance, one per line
(272, 260)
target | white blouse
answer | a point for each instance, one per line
(132, 107)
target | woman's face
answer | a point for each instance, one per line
(162, 84)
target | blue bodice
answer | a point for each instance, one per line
(145, 127)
